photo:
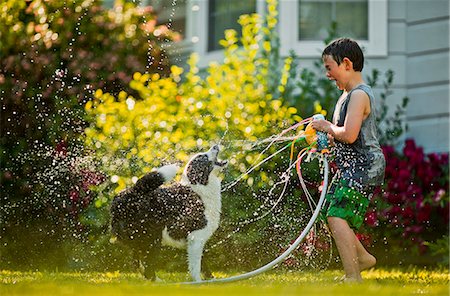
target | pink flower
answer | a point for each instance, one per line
(61, 148)
(74, 195)
(395, 210)
(408, 213)
(414, 196)
(371, 219)
(414, 191)
(439, 195)
(423, 212)
(415, 229)
(434, 158)
(365, 239)
(404, 174)
(378, 190)
(394, 198)
(410, 147)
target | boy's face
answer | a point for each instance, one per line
(334, 71)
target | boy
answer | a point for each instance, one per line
(358, 155)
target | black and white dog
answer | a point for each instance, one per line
(186, 214)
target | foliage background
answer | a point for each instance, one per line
(53, 55)
(89, 113)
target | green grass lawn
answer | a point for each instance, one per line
(412, 281)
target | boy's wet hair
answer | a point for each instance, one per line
(345, 48)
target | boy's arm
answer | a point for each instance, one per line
(358, 110)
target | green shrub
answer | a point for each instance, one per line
(53, 54)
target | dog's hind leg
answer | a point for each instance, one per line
(150, 260)
(136, 263)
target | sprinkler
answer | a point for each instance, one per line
(316, 138)
(318, 144)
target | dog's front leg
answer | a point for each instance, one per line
(195, 251)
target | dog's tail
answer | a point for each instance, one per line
(156, 178)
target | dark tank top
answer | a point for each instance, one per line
(361, 163)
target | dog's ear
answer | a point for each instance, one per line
(198, 170)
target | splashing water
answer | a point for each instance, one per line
(318, 239)
(72, 172)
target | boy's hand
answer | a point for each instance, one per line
(321, 125)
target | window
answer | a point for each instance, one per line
(171, 13)
(224, 15)
(363, 20)
(208, 19)
(316, 17)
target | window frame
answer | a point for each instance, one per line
(375, 46)
(197, 29)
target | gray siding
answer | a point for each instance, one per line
(418, 53)
(427, 67)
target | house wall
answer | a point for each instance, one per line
(427, 68)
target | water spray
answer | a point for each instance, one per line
(318, 144)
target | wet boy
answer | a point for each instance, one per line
(358, 155)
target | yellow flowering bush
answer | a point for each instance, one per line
(238, 103)
(184, 113)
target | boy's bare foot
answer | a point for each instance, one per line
(351, 280)
(348, 279)
(366, 262)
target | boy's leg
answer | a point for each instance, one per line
(365, 259)
(347, 247)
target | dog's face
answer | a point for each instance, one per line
(202, 165)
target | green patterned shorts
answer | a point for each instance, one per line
(345, 202)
